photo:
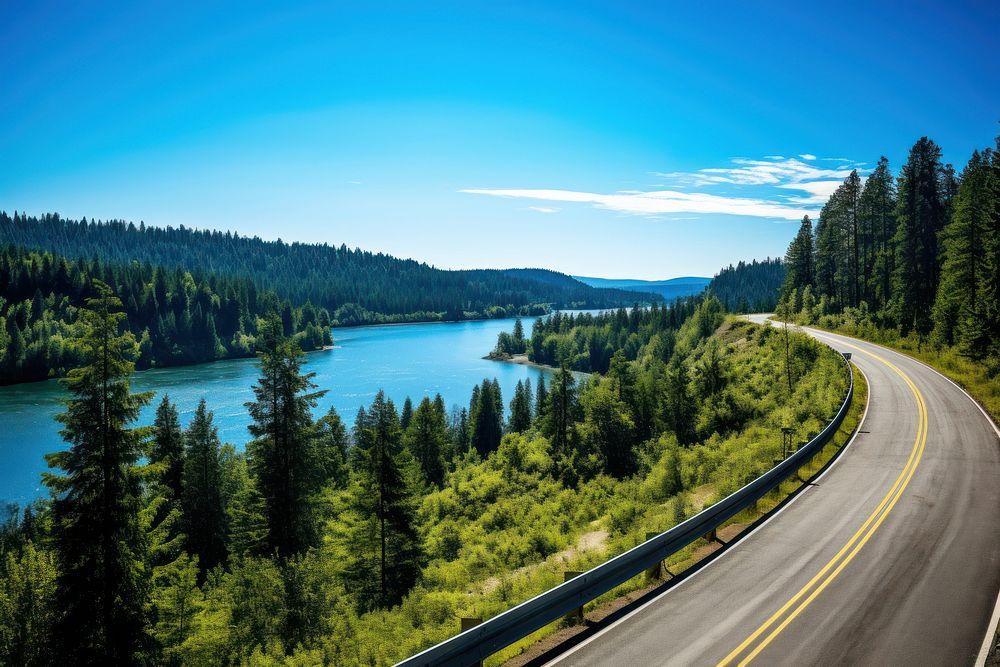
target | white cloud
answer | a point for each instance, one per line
(761, 184)
(756, 172)
(660, 201)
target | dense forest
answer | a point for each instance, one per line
(325, 544)
(177, 316)
(914, 256)
(355, 286)
(749, 287)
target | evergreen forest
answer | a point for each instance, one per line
(911, 260)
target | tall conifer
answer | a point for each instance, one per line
(103, 583)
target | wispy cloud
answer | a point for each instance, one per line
(657, 202)
(775, 172)
(773, 187)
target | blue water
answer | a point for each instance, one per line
(412, 360)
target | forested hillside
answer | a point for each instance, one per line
(749, 287)
(328, 545)
(356, 286)
(177, 316)
(587, 342)
(915, 256)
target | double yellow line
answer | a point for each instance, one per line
(829, 572)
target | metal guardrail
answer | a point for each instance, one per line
(483, 640)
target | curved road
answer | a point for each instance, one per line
(891, 558)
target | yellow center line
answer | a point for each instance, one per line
(876, 518)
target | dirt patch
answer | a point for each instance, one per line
(700, 496)
(595, 539)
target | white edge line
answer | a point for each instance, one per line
(739, 542)
(991, 630)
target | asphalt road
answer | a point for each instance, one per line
(891, 558)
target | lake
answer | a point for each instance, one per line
(414, 360)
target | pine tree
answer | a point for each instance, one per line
(101, 550)
(460, 436)
(282, 455)
(426, 438)
(678, 404)
(541, 399)
(799, 258)
(608, 428)
(162, 516)
(878, 210)
(920, 213)
(520, 345)
(331, 443)
(959, 310)
(852, 197)
(487, 419)
(168, 447)
(520, 408)
(829, 244)
(407, 414)
(382, 542)
(204, 515)
(561, 411)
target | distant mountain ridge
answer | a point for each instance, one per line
(567, 282)
(669, 289)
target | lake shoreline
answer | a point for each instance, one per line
(325, 348)
(522, 360)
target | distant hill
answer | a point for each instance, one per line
(578, 289)
(671, 289)
(357, 286)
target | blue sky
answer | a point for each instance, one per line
(642, 140)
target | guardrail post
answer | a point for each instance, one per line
(467, 623)
(576, 616)
(712, 536)
(653, 573)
